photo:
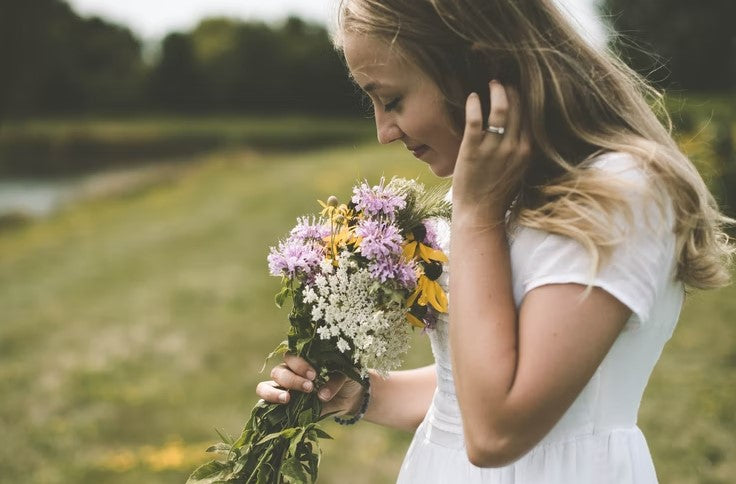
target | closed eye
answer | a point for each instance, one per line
(392, 105)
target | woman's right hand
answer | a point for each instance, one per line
(339, 394)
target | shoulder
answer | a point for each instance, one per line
(618, 166)
(634, 238)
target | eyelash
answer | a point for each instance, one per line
(366, 101)
(392, 105)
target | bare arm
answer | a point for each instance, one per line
(516, 373)
(402, 400)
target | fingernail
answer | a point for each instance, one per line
(311, 374)
(307, 386)
(324, 393)
(283, 397)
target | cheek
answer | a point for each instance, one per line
(448, 142)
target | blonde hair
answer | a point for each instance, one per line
(578, 102)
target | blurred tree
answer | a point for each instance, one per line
(253, 67)
(56, 62)
(321, 82)
(213, 43)
(696, 41)
(176, 82)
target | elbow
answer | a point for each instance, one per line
(492, 451)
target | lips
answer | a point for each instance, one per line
(418, 151)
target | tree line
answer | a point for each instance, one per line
(56, 62)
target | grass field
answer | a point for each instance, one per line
(132, 327)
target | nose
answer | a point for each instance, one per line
(386, 128)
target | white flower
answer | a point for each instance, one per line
(326, 266)
(320, 280)
(309, 295)
(316, 313)
(346, 311)
(343, 345)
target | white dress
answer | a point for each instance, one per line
(597, 440)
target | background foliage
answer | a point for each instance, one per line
(55, 62)
(678, 43)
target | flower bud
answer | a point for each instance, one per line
(332, 201)
(340, 219)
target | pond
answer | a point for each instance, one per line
(35, 198)
(40, 198)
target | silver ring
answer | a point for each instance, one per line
(495, 129)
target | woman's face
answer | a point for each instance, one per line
(408, 105)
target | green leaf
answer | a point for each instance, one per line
(225, 438)
(293, 470)
(268, 437)
(295, 440)
(313, 465)
(281, 296)
(286, 433)
(280, 350)
(305, 418)
(265, 476)
(321, 433)
(220, 448)
(211, 473)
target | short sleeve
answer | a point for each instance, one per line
(641, 263)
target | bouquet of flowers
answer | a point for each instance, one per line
(360, 275)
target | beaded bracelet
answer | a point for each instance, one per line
(363, 406)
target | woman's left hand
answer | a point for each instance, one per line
(490, 164)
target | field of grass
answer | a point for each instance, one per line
(132, 327)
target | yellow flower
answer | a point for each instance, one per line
(332, 211)
(414, 321)
(428, 292)
(414, 249)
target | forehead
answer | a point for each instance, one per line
(373, 60)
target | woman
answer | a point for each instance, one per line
(577, 224)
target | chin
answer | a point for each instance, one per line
(442, 170)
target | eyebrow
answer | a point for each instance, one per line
(371, 86)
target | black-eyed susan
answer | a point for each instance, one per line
(414, 248)
(428, 291)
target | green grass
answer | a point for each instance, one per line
(133, 326)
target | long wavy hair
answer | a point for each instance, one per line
(578, 102)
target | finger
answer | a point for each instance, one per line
(513, 118)
(300, 366)
(284, 376)
(267, 390)
(333, 385)
(499, 105)
(473, 117)
(525, 149)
